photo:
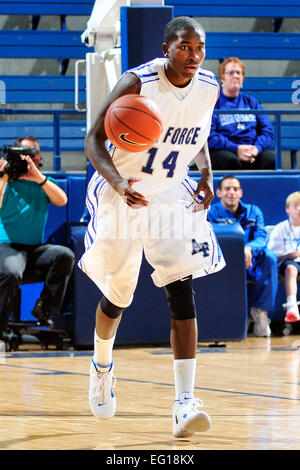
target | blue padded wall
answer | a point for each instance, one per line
(142, 31)
(267, 191)
(29, 295)
(221, 298)
(147, 320)
(76, 194)
(57, 216)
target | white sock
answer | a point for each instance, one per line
(291, 299)
(184, 376)
(103, 350)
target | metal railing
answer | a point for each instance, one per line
(56, 119)
(57, 113)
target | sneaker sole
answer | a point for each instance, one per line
(103, 414)
(201, 423)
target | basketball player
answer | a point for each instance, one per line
(142, 186)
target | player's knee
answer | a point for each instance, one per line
(109, 309)
(180, 297)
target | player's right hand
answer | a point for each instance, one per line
(132, 198)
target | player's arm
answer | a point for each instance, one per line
(205, 184)
(95, 140)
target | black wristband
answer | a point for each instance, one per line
(43, 182)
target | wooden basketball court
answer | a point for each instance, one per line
(250, 389)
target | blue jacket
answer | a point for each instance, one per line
(228, 131)
(251, 220)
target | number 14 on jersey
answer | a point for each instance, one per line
(169, 163)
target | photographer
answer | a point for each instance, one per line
(24, 203)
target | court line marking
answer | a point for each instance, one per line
(155, 351)
(134, 418)
(57, 372)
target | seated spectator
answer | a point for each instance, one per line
(260, 262)
(24, 202)
(239, 141)
(285, 242)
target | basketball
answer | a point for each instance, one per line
(133, 123)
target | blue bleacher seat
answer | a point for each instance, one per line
(236, 8)
(37, 8)
(65, 136)
(42, 89)
(42, 44)
(46, 7)
(72, 133)
(255, 46)
(271, 89)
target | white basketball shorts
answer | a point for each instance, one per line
(176, 241)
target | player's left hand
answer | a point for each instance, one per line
(204, 187)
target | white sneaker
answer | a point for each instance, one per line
(101, 396)
(187, 418)
(261, 322)
(292, 312)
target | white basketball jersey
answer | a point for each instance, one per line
(186, 127)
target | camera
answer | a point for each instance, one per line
(15, 167)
